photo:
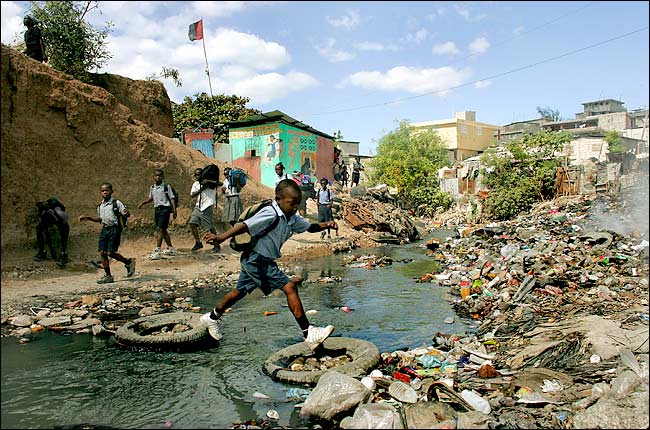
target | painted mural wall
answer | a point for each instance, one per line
(259, 148)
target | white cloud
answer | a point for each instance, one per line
(329, 52)
(445, 48)
(273, 86)
(482, 84)
(411, 79)
(373, 46)
(465, 12)
(12, 22)
(479, 46)
(350, 20)
(418, 36)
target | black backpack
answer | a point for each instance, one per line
(122, 220)
(211, 173)
(243, 241)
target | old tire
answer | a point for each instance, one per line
(136, 333)
(364, 354)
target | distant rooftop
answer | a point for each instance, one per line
(275, 116)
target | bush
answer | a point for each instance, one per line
(430, 197)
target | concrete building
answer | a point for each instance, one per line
(463, 135)
(259, 142)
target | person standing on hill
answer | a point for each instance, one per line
(34, 47)
(206, 199)
(258, 266)
(232, 207)
(164, 206)
(108, 213)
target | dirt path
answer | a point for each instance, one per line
(24, 279)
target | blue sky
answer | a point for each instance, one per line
(359, 67)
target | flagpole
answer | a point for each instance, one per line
(207, 69)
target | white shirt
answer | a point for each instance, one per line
(230, 191)
(105, 212)
(207, 198)
(269, 245)
(281, 178)
(157, 193)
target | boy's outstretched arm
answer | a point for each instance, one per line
(317, 227)
(216, 239)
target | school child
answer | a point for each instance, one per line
(109, 237)
(206, 199)
(324, 198)
(258, 267)
(232, 207)
(51, 213)
(164, 206)
(280, 175)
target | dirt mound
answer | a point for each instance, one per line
(63, 138)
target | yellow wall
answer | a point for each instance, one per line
(468, 137)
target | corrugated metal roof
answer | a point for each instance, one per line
(275, 116)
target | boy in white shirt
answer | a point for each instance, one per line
(202, 213)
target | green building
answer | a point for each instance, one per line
(261, 141)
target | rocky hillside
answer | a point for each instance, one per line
(63, 138)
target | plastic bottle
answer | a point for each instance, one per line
(476, 401)
(464, 288)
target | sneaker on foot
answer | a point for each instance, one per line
(40, 256)
(105, 280)
(156, 255)
(169, 251)
(197, 246)
(213, 326)
(130, 268)
(317, 335)
(63, 260)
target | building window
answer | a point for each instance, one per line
(479, 131)
(463, 129)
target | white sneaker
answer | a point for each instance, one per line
(169, 251)
(156, 255)
(317, 335)
(214, 327)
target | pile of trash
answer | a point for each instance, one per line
(560, 306)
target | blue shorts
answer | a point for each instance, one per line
(260, 272)
(109, 239)
(161, 216)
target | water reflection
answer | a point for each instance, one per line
(69, 380)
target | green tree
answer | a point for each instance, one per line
(613, 139)
(213, 112)
(410, 162)
(548, 113)
(72, 44)
(522, 172)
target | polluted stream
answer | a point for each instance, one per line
(81, 381)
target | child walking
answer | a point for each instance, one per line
(109, 237)
(206, 199)
(258, 267)
(164, 205)
(324, 199)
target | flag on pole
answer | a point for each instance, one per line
(196, 30)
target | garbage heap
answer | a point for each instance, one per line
(376, 212)
(560, 308)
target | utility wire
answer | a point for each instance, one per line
(485, 78)
(571, 12)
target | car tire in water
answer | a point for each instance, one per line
(364, 355)
(139, 333)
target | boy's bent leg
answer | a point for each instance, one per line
(314, 336)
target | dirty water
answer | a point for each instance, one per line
(80, 380)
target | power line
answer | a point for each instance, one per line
(485, 78)
(571, 12)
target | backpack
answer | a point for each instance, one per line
(174, 193)
(237, 178)
(329, 194)
(244, 242)
(210, 172)
(122, 219)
